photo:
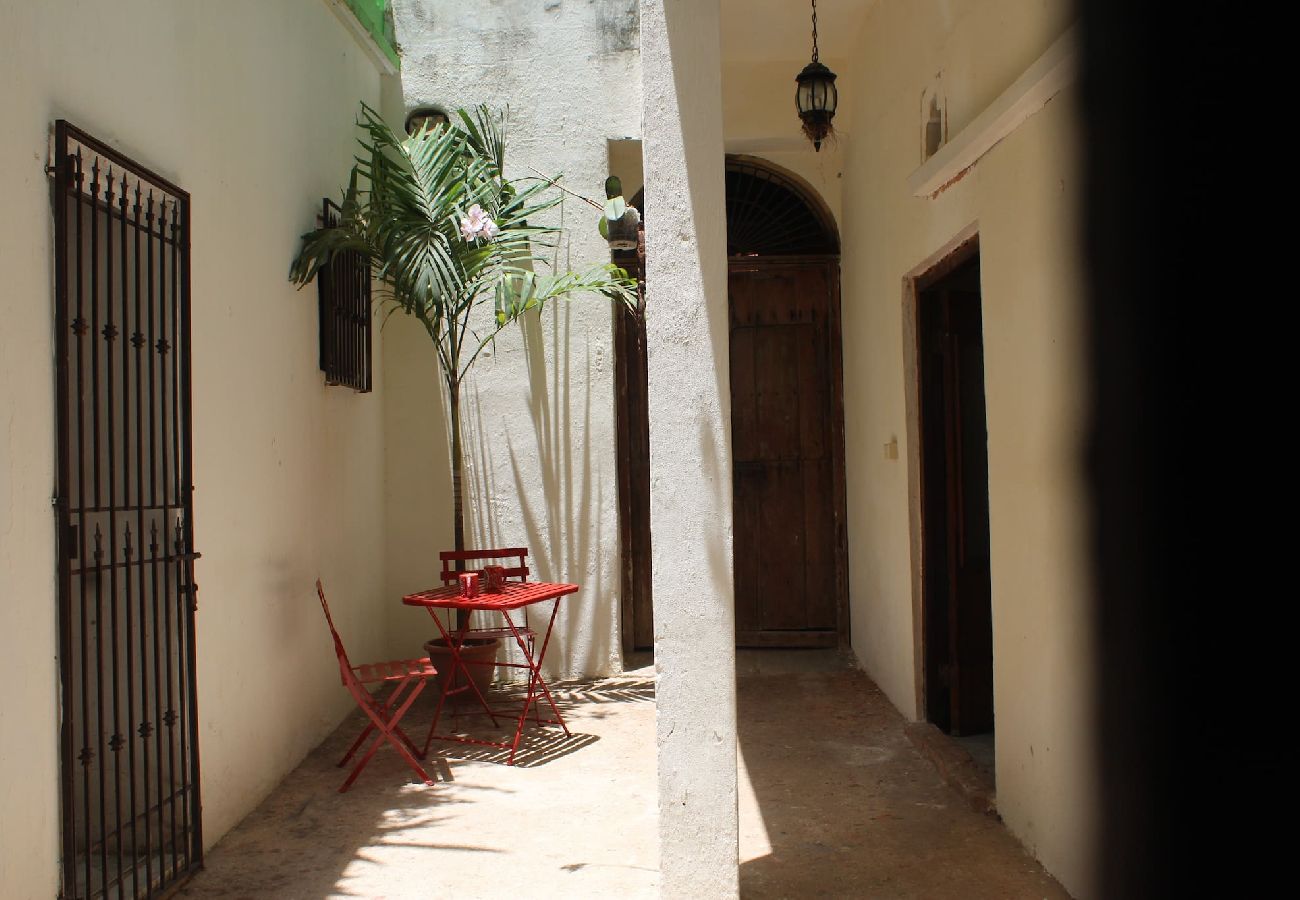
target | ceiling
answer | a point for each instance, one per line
(768, 30)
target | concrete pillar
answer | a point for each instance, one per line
(690, 447)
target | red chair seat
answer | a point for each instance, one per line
(395, 670)
(385, 716)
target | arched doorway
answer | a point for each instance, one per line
(787, 411)
(787, 420)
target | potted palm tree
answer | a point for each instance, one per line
(453, 243)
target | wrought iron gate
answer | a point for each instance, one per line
(130, 760)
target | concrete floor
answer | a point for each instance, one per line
(834, 802)
(980, 748)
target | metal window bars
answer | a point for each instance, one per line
(345, 315)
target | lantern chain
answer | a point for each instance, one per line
(814, 31)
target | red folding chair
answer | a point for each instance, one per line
(384, 716)
(453, 565)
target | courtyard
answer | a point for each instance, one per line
(834, 802)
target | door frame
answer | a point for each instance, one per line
(632, 442)
(958, 250)
(840, 501)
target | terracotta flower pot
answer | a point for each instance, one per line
(622, 232)
(483, 650)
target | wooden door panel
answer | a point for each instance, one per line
(820, 583)
(814, 368)
(744, 424)
(787, 552)
(776, 394)
(748, 491)
(631, 378)
(780, 549)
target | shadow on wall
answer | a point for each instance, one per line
(418, 518)
(717, 466)
(556, 490)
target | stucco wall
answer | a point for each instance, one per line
(1023, 197)
(690, 451)
(246, 105)
(539, 413)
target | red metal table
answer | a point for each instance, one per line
(514, 596)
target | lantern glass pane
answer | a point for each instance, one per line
(803, 97)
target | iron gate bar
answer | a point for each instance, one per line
(146, 603)
(193, 811)
(128, 310)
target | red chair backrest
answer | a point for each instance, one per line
(345, 667)
(448, 557)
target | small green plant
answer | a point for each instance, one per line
(619, 219)
(447, 237)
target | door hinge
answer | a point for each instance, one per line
(192, 591)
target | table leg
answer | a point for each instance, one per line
(535, 679)
(453, 648)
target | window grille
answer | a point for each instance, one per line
(345, 316)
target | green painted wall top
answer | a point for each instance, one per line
(373, 15)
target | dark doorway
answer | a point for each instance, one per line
(786, 412)
(131, 813)
(958, 626)
(632, 411)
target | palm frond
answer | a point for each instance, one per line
(403, 207)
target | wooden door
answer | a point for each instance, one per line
(631, 379)
(786, 440)
(957, 591)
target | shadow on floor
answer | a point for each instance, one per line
(836, 802)
(538, 745)
(469, 835)
(535, 748)
(303, 838)
(846, 807)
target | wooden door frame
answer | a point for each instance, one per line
(631, 419)
(840, 502)
(959, 250)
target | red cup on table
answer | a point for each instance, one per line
(468, 584)
(494, 578)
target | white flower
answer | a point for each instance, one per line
(472, 223)
(477, 224)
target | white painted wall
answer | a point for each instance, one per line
(247, 105)
(539, 413)
(1024, 197)
(690, 449)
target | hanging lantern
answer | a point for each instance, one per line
(816, 97)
